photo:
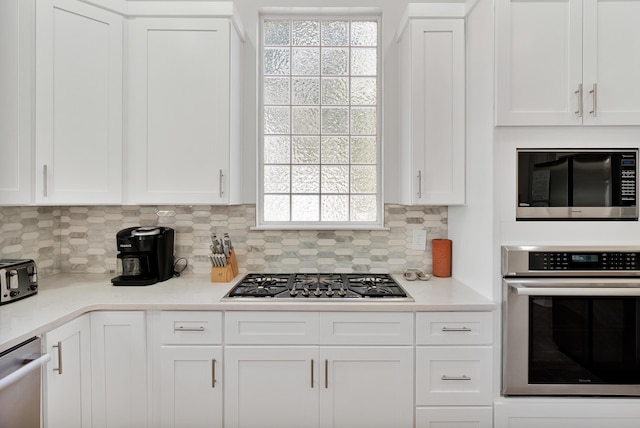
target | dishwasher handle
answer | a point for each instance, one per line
(28, 367)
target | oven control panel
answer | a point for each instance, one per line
(580, 261)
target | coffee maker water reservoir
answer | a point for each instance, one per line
(145, 255)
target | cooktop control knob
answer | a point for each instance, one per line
(318, 292)
(329, 292)
(305, 292)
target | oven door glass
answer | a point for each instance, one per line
(584, 340)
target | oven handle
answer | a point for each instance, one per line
(28, 367)
(523, 290)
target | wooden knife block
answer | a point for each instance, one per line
(227, 273)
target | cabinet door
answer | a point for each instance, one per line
(78, 103)
(16, 95)
(119, 369)
(611, 62)
(271, 387)
(539, 62)
(179, 131)
(438, 112)
(190, 386)
(366, 387)
(67, 379)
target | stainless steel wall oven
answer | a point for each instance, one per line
(571, 321)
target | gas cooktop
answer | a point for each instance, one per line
(336, 286)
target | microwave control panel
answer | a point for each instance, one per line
(580, 261)
(628, 178)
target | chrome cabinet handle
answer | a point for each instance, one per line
(446, 329)
(59, 369)
(326, 374)
(579, 93)
(312, 373)
(213, 373)
(182, 328)
(419, 184)
(221, 185)
(594, 98)
(45, 179)
(463, 377)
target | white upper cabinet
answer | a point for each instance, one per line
(184, 93)
(432, 111)
(567, 62)
(16, 107)
(79, 53)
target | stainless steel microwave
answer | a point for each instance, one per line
(589, 184)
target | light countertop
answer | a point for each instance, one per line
(62, 297)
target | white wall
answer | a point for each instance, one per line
(471, 226)
(392, 10)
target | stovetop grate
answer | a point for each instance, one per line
(318, 286)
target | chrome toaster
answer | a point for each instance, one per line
(18, 279)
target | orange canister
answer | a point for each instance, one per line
(441, 257)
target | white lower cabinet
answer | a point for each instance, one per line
(454, 375)
(190, 387)
(312, 380)
(188, 375)
(67, 377)
(119, 369)
(567, 413)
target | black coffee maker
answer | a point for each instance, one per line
(146, 255)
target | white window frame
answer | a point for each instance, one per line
(320, 225)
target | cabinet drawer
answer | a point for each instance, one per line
(453, 375)
(454, 328)
(190, 328)
(271, 328)
(459, 417)
(371, 328)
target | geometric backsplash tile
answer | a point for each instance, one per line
(82, 239)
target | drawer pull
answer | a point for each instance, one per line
(312, 373)
(326, 374)
(183, 328)
(447, 329)
(463, 377)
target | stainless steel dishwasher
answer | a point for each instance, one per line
(20, 378)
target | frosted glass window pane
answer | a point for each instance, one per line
(276, 90)
(335, 33)
(363, 208)
(306, 90)
(306, 150)
(276, 61)
(276, 33)
(334, 208)
(364, 62)
(364, 33)
(276, 120)
(363, 121)
(277, 149)
(306, 33)
(363, 150)
(277, 207)
(277, 178)
(305, 61)
(335, 150)
(363, 179)
(305, 179)
(363, 91)
(335, 179)
(335, 120)
(335, 91)
(335, 62)
(305, 120)
(305, 207)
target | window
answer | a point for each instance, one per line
(320, 146)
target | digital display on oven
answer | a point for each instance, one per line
(585, 258)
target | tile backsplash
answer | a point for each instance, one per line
(82, 239)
